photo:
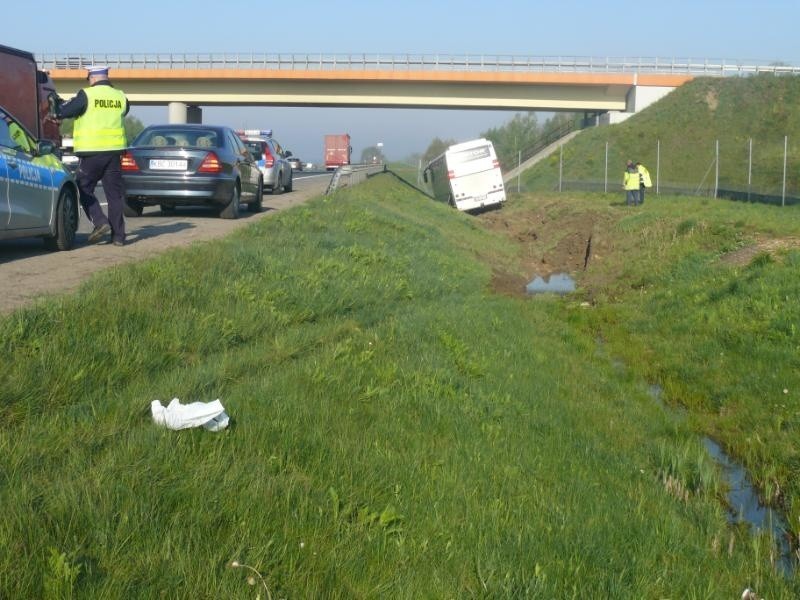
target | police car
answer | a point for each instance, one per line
(271, 158)
(38, 196)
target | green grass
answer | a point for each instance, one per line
(398, 430)
(688, 122)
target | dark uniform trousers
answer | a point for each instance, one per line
(103, 167)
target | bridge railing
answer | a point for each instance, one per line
(415, 62)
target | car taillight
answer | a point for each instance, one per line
(128, 163)
(210, 164)
(269, 160)
(496, 163)
(451, 174)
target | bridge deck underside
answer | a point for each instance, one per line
(457, 91)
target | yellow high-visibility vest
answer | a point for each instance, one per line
(102, 126)
(631, 180)
(644, 176)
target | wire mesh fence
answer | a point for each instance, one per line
(745, 169)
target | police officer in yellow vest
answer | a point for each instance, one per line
(19, 137)
(630, 183)
(644, 180)
(99, 137)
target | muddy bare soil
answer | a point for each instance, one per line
(567, 244)
(29, 272)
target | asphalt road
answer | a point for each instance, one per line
(29, 272)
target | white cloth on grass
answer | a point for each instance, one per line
(175, 415)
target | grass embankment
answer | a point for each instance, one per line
(701, 298)
(688, 122)
(399, 430)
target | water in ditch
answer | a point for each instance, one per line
(744, 504)
(557, 283)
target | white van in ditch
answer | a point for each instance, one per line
(467, 176)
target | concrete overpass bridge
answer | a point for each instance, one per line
(615, 88)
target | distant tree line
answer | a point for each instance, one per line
(372, 155)
(519, 134)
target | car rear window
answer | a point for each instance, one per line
(255, 148)
(196, 138)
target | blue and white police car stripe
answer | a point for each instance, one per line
(29, 175)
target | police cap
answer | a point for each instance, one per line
(96, 71)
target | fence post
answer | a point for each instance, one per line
(658, 163)
(605, 176)
(785, 150)
(749, 167)
(716, 168)
(519, 168)
(560, 165)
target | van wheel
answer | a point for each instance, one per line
(167, 209)
(132, 208)
(66, 222)
(255, 205)
(450, 201)
(231, 211)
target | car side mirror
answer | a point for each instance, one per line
(288, 153)
(45, 147)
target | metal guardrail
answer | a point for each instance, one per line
(350, 175)
(409, 62)
(553, 136)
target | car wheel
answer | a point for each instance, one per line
(167, 209)
(66, 222)
(288, 186)
(132, 208)
(255, 205)
(231, 210)
(277, 188)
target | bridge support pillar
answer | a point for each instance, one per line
(194, 114)
(179, 112)
(639, 97)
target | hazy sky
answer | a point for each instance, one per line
(765, 30)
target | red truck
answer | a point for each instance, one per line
(337, 150)
(23, 93)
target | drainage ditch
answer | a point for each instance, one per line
(743, 502)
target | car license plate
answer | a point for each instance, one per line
(168, 165)
(481, 198)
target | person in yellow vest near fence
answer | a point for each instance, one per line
(644, 180)
(99, 140)
(630, 184)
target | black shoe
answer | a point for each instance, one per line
(99, 233)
